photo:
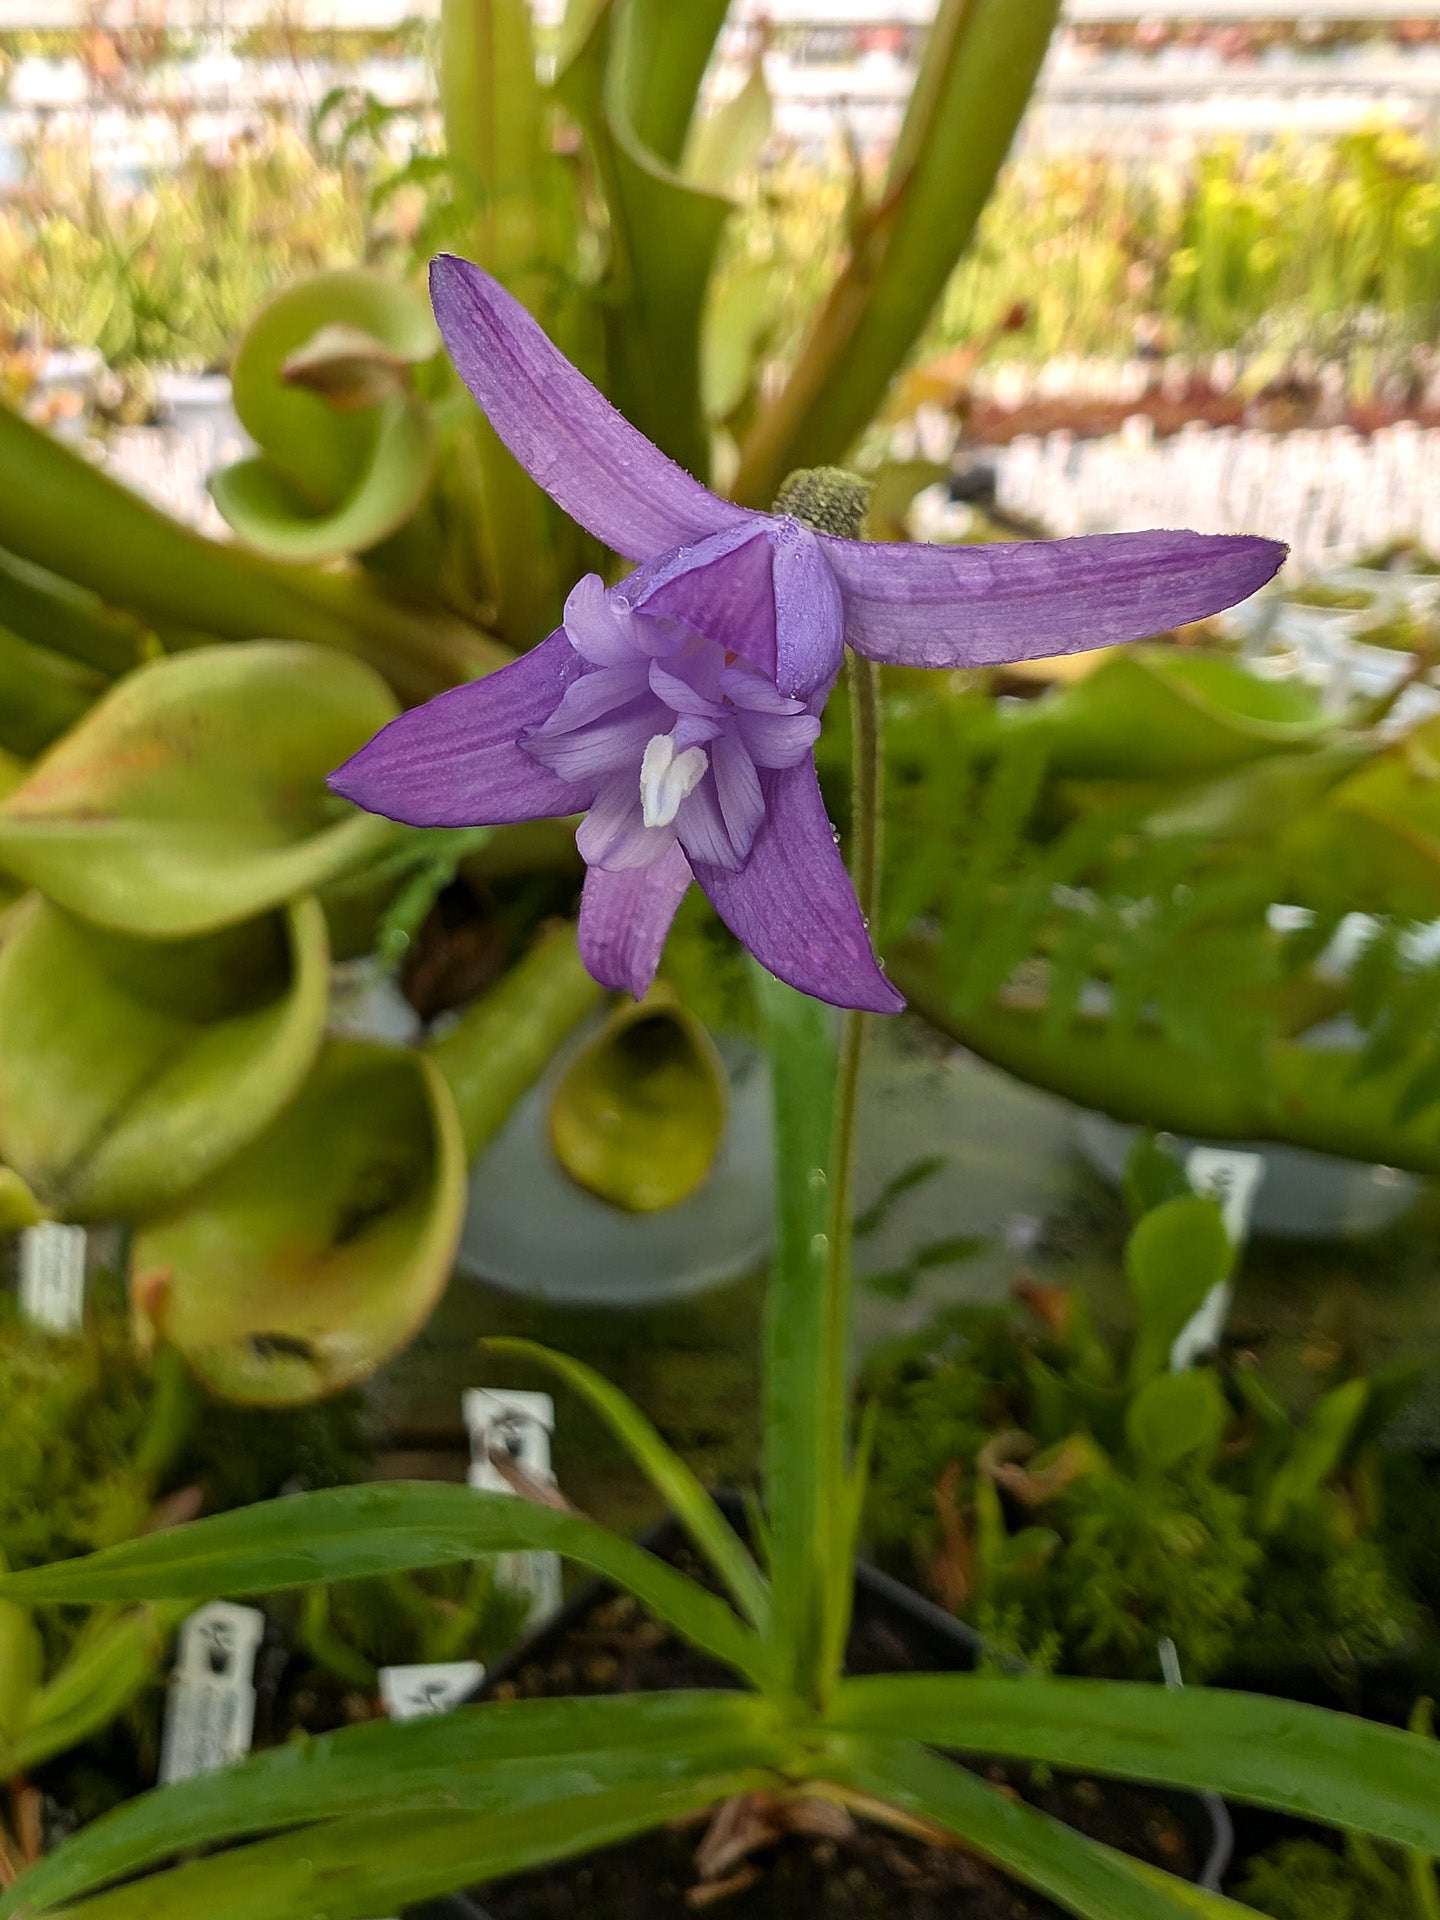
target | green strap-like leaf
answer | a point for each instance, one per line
(351, 1869)
(505, 1755)
(666, 1471)
(805, 1494)
(349, 1533)
(1087, 1879)
(1304, 1760)
(107, 1670)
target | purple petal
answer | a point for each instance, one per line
(624, 918)
(792, 903)
(455, 763)
(754, 694)
(595, 694)
(809, 613)
(695, 730)
(591, 753)
(724, 588)
(933, 606)
(680, 696)
(565, 434)
(613, 833)
(700, 829)
(600, 625)
(776, 739)
(737, 787)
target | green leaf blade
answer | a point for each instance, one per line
(666, 1471)
(1091, 1881)
(800, 1503)
(347, 1533)
(479, 1760)
(347, 1869)
(1298, 1759)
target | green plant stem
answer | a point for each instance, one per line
(863, 681)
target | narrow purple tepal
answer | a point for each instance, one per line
(678, 711)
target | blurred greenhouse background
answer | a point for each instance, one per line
(301, 1105)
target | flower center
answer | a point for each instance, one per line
(668, 777)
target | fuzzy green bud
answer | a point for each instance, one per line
(826, 498)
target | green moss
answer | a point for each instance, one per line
(1306, 1880)
(93, 1434)
(1146, 1561)
(1005, 1482)
(74, 1415)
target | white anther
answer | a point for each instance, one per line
(666, 777)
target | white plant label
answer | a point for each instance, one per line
(417, 1693)
(506, 1421)
(210, 1715)
(52, 1276)
(1232, 1179)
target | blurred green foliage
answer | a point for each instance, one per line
(1078, 1502)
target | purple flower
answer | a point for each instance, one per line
(677, 711)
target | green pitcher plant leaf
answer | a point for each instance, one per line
(52, 613)
(639, 1113)
(322, 384)
(727, 142)
(1304, 1095)
(504, 1041)
(41, 693)
(1175, 1416)
(193, 794)
(980, 63)
(131, 1071)
(518, 221)
(18, 1205)
(319, 1250)
(506, 1754)
(1167, 713)
(632, 83)
(1375, 844)
(61, 516)
(350, 1533)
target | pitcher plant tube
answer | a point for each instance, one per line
(678, 710)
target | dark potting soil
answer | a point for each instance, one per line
(871, 1873)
